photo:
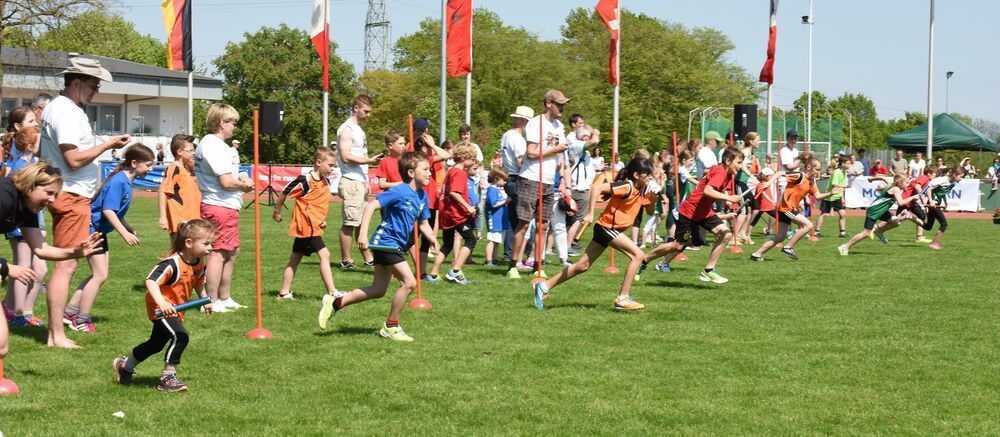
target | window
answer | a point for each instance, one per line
(8, 105)
(105, 118)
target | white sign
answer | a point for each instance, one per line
(861, 193)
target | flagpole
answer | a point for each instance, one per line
(809, 97)
(930, 85)
(468, 79)
(770, 110)
(611, 269)
(326, 78)
(444, 72)
(190, 103)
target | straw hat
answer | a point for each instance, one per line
(523, 112)
(88, 67)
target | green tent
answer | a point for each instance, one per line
(949, 134)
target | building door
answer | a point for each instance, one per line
(150, 119)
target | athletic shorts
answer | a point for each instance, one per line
(354, 194)
(917, 210)
(870, 222)
(786, 217)
(582, 199)
(688, 233)
(828, 206)
(227, 225)
(495, 237)
(386, 258)
(70, 220)
(308, 245)
(527, 201)
(603, 236)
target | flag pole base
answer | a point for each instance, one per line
(735, 249)
(420, 304)
(260, 334)
(812, 238)
(8, 387)
(681, 257)
(612, 270)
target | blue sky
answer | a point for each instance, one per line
(874, 47)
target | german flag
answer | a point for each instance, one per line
(177, 20)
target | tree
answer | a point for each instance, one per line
(280, 64)
(868, 130)
(98, 33)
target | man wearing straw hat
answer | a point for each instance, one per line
(69, 143)
(512, 148)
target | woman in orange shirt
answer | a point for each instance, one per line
(800, 184)
(626, 196)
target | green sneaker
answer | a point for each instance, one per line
(395, 333)
(513, 273)
(326, 311)
(713, 277)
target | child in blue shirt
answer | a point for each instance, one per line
(497, 214)
(21, 297)
(107, 214)
(402, 206)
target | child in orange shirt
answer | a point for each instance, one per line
(168, 285)
(179, 197)
(800, 184)
(626, 196)
(312, 203)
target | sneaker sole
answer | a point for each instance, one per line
(172, 390)
(325, 313)
(792, 256)
(389, 336)
(618, 308)
(118, 377)
(707, 279)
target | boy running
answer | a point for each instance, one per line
(879, 211)
(457, 216)
(402, 206)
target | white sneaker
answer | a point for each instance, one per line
(218, 306)
(231, 304)
(843, 250)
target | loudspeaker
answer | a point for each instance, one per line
(272, 117)
(744, 120)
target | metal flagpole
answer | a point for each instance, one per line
(770, 111)
(190, 103)
(326, 86)
(468, 81)
(809, 98)
(444, 70)
(930, 85)
(614, 129)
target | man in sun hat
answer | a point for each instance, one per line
(707, 157)
(512, 149)
(68, 142)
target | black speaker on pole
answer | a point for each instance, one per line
(272, 116)
(744, 120)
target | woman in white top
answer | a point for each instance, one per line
(217, 168)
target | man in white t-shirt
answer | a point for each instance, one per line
(353, 160)
(546, 140)
(512, 148)
(917, 165)
(706, 157)
(788, 152)
(68, 142)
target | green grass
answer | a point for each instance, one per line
(896, 339)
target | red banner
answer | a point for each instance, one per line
(282, 175)
(459, 44)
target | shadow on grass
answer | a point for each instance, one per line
(347, 330)
(576, 305)
(675, 284)
(141, 288)
(39, 334)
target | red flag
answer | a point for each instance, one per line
(767, 73)
(177, 20)
(319, 33)
(609, 13)
(459, 46)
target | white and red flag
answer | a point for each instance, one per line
(767, 73)
(609, 12)
(319, 33)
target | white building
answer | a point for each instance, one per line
(146, 101)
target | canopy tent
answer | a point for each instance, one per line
(949, 134)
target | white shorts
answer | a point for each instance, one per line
(496, 237)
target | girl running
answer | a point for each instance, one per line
(940, 187)
(168, 285)
(107, 214)
(629, 193)
(800, 184)
(879, 210)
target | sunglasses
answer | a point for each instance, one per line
(53, 171)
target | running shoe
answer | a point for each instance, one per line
(935, 246)
(490, 264)
(573, 252)
(642, 268)
(122, 376)
(286, 296)
(69, 320)
(566, 263)
(27, 320)
(665, 268)
(83, 325)
(395, 333)
(523, 267)
(513, 273)
(843, 234)
(326, 311)
(457, 277)
(218, 307)
(695, 248)
(819, 234)
(542, 274)
(756, 258)
(881, 237)
(347, 265)
(232, 304)
(171, 384)
(8, 312)
(627, 304)
(429, 278)
(713, 277)
(790, 253)
(540, 294)
(370, 264)
(843, 250)
(924, 240)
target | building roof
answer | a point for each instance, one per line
(56, 60)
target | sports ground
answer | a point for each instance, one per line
(893, 339)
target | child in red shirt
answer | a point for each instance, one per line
(388, 168)
(696, 212)
(457, 216)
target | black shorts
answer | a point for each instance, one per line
(103, 246)
(870, 222)
(308, 245)
(688, 232)
(638, 219)
(786, 217)
(387, 258)
(467, 233)
(828, 206)
(917, 210)
(603, 236)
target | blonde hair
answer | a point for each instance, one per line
(463, 151)
(193, 229)
(749, 137)
(217, 113)
(36, 174)
(323, 153)
(641, 153)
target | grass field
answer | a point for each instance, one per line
(897, 339)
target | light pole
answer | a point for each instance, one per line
(808, 20)
(947, 89)
(850, 126)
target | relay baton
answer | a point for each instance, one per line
(385, 248)
(188, 305)
(583, 229)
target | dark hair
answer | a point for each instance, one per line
(634, 166)
(70, 77)
(135, 152)
(497, 173)
(729, 154)
(178, 142)
(196, 228)
(409, 161)
(464, 129)
(362, 99)
(392, 136)
(40, 100)
(861, 151)
(574, 118)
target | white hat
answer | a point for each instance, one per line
(767, 171)
(523, 112)
(89, 67)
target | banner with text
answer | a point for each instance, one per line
(964, 197)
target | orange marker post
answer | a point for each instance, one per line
(258, 333)
(419, 303)
(540, 239)
(7, 387)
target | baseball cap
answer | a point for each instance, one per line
(713, 135)
(421, 124)
(556, 96)
(792, 133)
(87, 67)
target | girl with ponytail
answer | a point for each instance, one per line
(21, 296)
(107, 214)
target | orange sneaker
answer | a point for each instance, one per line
(627, 304)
